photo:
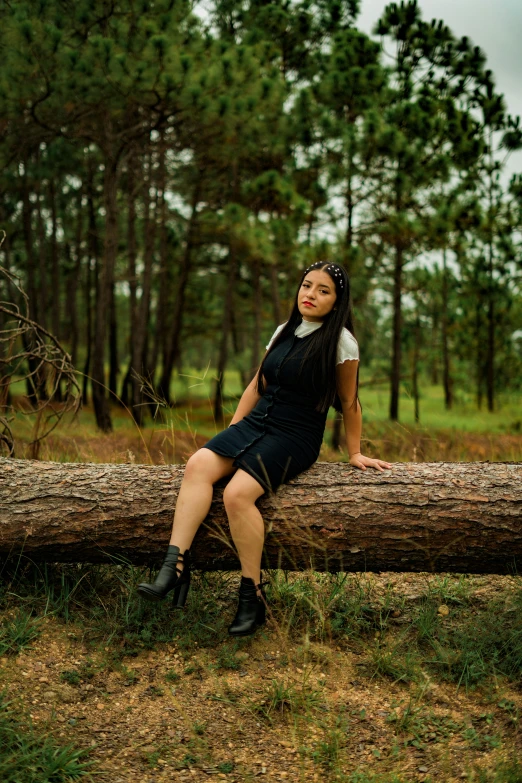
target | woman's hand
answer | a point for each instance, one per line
(358, 460)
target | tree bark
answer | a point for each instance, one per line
(55, 268)
(139, 348)
(164, 275)
(173, 347)
(114, 364)
(132, 253)
(93, 255)
(99, 396)
(257, 306)
(396, 339)
(225, 331)
(448, 391)
(462, 517)
(276, 301)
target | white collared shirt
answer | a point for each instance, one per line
(347, 348)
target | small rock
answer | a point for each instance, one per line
(60, 718)
(240, 655)
(72, 721)
(423, 769)
(100, 706)
(443, 610)
(43, 679)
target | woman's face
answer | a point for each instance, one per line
(317, 295)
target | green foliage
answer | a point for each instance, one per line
(27, 757)
(17, 633)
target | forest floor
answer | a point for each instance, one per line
(355, 678)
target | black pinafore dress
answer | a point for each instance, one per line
(282, 435)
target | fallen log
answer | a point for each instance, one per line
(462, 517)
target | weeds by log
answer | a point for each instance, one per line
(455, 517)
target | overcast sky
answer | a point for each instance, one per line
(494, 25)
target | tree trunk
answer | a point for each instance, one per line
(93, 254)
(174, 341)
(164, 277)
(448, 395)
(139, 343)
(43, 293)
(32, 290)
(257, 306)
(225, 331)
(27, 224)
(131, 269)
(462, 517)
(73, 280)
(479, 363)
(415, 370)
(397, 323)
(55, 269)
(114, 365)
(490, 350)
(276, 300)
(99, 396)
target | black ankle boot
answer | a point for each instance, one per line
(169, 577)
(251, 611)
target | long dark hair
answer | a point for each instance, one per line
(322, 345)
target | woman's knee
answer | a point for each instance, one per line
(232, 497)
(238, 494)
(205, 464)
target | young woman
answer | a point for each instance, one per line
(276, 433)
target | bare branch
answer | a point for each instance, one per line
(31, 354)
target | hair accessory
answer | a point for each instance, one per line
(332, 268)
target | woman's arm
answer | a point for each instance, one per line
(352, 417)
(248, 401)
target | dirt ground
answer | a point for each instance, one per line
(273, 710)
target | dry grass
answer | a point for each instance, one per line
(176, 434)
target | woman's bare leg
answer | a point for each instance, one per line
(246, 523)
(203, 469)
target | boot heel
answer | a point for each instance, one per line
(180, 594)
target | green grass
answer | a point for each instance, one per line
(27, 757)
(192, 392)
(464, 415)
(470, 646)
(508, 772)
(319, 615)
(17, 632)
